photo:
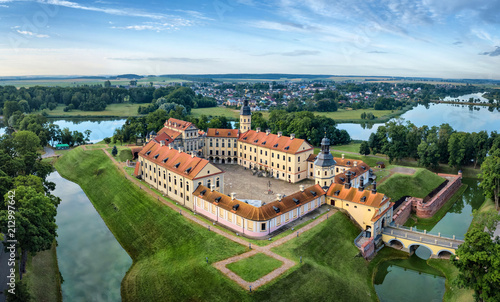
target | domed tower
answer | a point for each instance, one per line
(245, 117)
(324, 165)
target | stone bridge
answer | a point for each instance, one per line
(409, 239)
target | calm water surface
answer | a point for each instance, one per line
(460, 117)
(91, 261)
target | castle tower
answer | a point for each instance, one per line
(324, 165)
(245, 117)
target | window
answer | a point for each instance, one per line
(217, 183)
(260, 152)
(238, 220)
(221, 213)
(272, 154)
(289, 159)
(266, 153)
(278, 220)
(187, 186)
(355, 207)
(230, 217)
(263, 226)
(180, 183)
(175, 192)
(298, 159)
(250, 225)
(277, 156)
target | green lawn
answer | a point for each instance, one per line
(43, 277)
(348, 114)
(254, 267)
(352, 147)
(112, 110)
(331, 269)
(418, 185)
(216, 111)
(168, 251)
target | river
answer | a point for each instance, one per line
(91, 261)
(397, 281)
(460, 117)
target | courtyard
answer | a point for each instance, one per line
(241, 181)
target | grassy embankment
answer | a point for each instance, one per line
(254, 267)
(42, 276)
(420, 184)
(169, 252)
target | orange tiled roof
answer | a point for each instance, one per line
(172, 133)
(312, 157)
(264, 212)
(355, 195)
(273, 142)
(178, 124)
(215, 132)
(179, 162)
(136, 169)
(163, 136)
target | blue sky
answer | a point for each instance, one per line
(432, 38)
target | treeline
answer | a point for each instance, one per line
(47, 133)
(92, 98)
(182, 96)
(304, 124)
(139, 127)
(431, 146)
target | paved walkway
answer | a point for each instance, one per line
(49, 152)
(221, 265)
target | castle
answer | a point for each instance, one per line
(180, 161)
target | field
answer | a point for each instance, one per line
(343, 114)
(42, 276)
(418, 185)
(216, 111)
(112, 110)
(79, 82)
(254, 267)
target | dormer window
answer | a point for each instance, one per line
(203, 192)
(287, 147)
(363, 199)
(156, 156)
(263, 143)
(218, 199)
(188, 170)
(275, 146)
(337, 193)
(177, 165)
(165, 160)
(235, 207)
(276, 209)
(149, 152)
(217, 133)
(296, 201)
(313, 193)
(256, 141)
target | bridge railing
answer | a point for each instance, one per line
(414, 229)
(356, 241)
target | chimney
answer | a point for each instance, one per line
(355, 163)
(180, 149)
(169, 146)
(192, 154)
(361, 186)
(292, 136)
(268, 131)
(374, 190)
(162, 143)
(233, 196)
(279, 196)
(212, 188)
(348, 183)
(342, 156)
(301, 188)
(257, 130)
(280, 133)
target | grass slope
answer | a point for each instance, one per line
(168, 252)
(43, 277)
(419, 184)
(330, 270)
(255, 267)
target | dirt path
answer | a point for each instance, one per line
(221, 265)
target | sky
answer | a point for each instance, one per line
(421, 38)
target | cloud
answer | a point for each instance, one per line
(376, 51)
(457, 43)
(293, 53)
(283, 26)
(494, 53)
(3, 5)
(166, 59)
(31, 34)
(157, 26)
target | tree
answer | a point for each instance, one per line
(364, 148)
(21, 294)
(87, 135)
(428, 151)
(107, 84)
(114, 152)
(35, 220)
(490, 173)
(26, 142)
(477, 262)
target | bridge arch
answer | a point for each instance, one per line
(445, 253)
(396, 243)
(414, 246)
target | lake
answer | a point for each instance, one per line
(460, 117)
(91, 261)
(101, 128)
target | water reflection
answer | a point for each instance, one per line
(91, 261)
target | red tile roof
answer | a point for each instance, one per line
(163, 136)
(355, 195)
(264, 212)
(179, 162)
(178, 124)
(137, 167)
(215, 132)
(273, 142)
(171, 133)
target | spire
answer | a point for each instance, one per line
(325, 158)
(245, 109)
